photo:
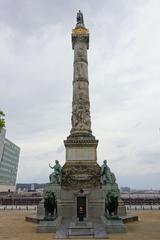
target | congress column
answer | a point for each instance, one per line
(80, 144)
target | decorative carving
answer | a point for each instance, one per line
(81, 121)
(80, 31)
(77, 176)
(81, 116)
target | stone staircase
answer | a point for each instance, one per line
(72, 228)
(80, 229)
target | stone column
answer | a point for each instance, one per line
(81, 146)
(81, 121)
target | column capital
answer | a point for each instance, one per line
(80, 34)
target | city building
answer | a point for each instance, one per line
(2, 138)
(9, 158)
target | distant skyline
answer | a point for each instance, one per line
(36, 60)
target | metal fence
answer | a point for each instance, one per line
(18, 208)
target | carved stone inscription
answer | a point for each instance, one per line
(81, 176)
(77, 153)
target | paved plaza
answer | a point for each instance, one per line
(14, 227)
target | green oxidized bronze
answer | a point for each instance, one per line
(56, 176)
(2, 121)
(111, 203)
(106, 176)
(50, 205)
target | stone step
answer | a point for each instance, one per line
(79, 230)
(84, 229)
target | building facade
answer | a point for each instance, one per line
(2, 138)
(9, 158)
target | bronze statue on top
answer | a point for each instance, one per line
(80, 21)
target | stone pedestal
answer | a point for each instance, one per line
(68, 207)
(81, 147)
(40, 209)
(113, 225)
(49, 226)
(121, 208)
(56, 188)
(121, 211)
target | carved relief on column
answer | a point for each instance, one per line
(81, 116)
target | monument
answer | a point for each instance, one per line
(85, 195)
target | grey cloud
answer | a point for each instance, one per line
(60, 149)
(39, 157)
(149, 157)
(121, 143)
(30, 17)
(141, 182)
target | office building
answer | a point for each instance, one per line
(9, 158)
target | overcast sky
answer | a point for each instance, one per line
(36, 69)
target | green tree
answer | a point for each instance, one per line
(2, 121)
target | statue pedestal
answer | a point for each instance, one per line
(113, 225)
(81, 147)
(121, 208)
(121, 211)
(49, 226)
(48, 187)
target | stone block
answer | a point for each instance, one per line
(81, 229)
(121, 211)
(113, 225)
(81, 153)
(40, 209)
(49, 226)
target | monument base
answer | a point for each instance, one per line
(129, 218)
(81, 229)
(91, 201)
(89, 228)
(49, 226)
(113, 225)
(69, 200)
(121, 211)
